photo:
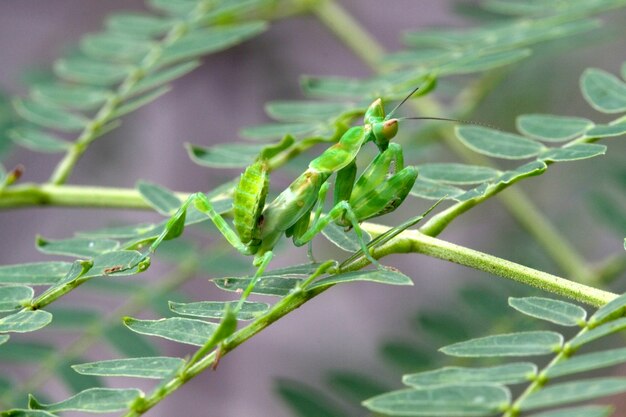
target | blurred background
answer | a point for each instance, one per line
(374, 330)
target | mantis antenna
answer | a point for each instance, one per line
(445, 119)
(401, 103)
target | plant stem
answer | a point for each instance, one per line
(74, 196)
(515, 201)
(405, 242)
(412, 241)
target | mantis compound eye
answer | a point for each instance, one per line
(384, 132)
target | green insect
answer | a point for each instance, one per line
(258, 227)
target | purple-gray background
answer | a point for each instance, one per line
(344, 327)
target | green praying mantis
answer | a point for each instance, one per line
(380, 189)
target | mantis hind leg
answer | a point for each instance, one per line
(341, 210)
(175, 225)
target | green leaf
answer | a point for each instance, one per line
(163, 76)
(111, 46)
(605, 131)
(512, 373)
(457, 173)
(431, 190)
(78, 270)
(587, 362)
(551, 128)
(305, 111)
(512, 344)
(205, 41)
(598, 332)
(603, 91)
(128, 343)
(496, 143)
(153, 367)
(527, 170)
(304, 401)
(229, 155)
(610, 311)
(49, 116)
(132, 105)
(98, 400)
(266, 285)
(138, 24)
(479, 63)
(4, 338)
(382, 276)
(79, 97)
(215, 309)
(12, 297)
(585, 411)
(555, 311)
(37, 140)
(16, 412)
(25, 321)
(160, 198)
(119, 232)
(568, 392)
(278, 130)
(87, 71)
(189, 331)
(336, 86)
(117, 263)
(79, 246)
(449, 401)
(573, 152)
(347, 241)
(38, 273)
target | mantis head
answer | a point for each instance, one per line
(382, 128)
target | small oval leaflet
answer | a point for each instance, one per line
(25, 321)
(573, 152)
(511, 344)
(598, 332)
(152, 367)
(512, 373)
(587, 362)
(551, 128)
(304, 111)
(13, 296)
(454, 173)
(90, 72)
(432, 190)
(498, 144)
(604, 131)
(229, 155)
(160, 198)
(37, 273)
(79, 247)
(383, 276)
(603, 91)
(347, 241)
(215, 309)
(92, 400)
(38, 140)
(611, 310)
(568, 392)
(49, 116)
(555, 311)
(452, 400)
(279, 130)
(189, 331)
